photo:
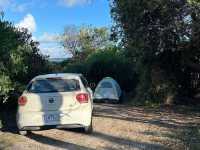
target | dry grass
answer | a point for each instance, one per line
(119, 127)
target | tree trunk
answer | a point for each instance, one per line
(194, 66)
(169, 99)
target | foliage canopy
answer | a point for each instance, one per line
(161, 38)
(20, 59)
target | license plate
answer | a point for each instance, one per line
(51, 118)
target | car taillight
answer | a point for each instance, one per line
(82, 97)
(22, 101)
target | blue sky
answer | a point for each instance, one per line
(46, 19)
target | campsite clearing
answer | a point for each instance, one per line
(119, 127)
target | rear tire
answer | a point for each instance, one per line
(24, 133)
(88, 129)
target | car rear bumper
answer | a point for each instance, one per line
(46, 127)
(35, 120)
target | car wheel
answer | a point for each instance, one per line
(88, 129)
(24, 133)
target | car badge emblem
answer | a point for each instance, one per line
(51, 100)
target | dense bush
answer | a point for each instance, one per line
(106, 63)
(20, 60)
(111, 63)
(161, 38)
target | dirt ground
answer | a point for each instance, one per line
(119, 127)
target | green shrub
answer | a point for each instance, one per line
(105, 63)
(20, 61)
(111, 63)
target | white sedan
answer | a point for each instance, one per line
(55, 101)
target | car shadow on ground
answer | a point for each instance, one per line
(122, 142)
(56, 143)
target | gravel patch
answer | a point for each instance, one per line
(117, 127)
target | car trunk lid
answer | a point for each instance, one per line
(51, 101)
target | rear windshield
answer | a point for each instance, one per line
(106, 85)
(53, 85)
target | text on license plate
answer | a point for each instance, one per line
(51, 118)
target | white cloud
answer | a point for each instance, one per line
(50, 45)
(34, 38)
(71, 3)
(49, 38)
(15, 6)
(28, 22)
(19, 8)
(53, 50)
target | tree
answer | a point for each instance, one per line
(81, 41)
(94, 38)
(20, 60)
(157, 36)
(1, 14)
(71, 41)
(106, 63)
(111, 63)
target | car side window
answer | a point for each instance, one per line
(84, 81)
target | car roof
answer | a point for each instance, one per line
(58, 75)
